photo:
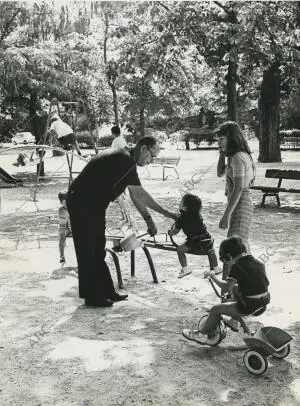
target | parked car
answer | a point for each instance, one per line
(23, 138)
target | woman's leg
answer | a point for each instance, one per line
(226, 309)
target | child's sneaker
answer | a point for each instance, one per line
(195, 335)
(62, 260)
(184, 271)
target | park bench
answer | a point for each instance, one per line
(166, 163)
(275, 190)
(291, 143)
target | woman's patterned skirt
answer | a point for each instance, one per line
(241, 218)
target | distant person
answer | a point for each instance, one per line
(101, 181)
(64, 132)
(198, 238)
(64, 226)
(119, 141)
(240, 173)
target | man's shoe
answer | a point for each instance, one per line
(99, 302)
(116, 297)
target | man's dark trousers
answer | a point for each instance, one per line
(87, 219)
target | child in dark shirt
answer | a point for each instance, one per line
(198, 239)
(248, 283)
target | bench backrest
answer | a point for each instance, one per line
(166, 161)
(282, 174)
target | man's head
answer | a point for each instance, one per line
(145, 150)
(115, 131)
(231, 248)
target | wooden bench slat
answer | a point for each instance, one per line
(283, 174)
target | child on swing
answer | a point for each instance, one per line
(248, 283)
(64, 226)
(198, 238)
(64, 132)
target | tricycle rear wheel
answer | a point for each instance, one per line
(255, 362)
(283, 353)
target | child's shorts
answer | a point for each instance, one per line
(199, 245)
(248, 305)
(67, 140)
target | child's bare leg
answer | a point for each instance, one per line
(181, 250)
(226, 309)
(62, 244)
(76, 145)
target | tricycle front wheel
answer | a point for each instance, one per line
(214, 338)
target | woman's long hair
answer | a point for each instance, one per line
(236, 142)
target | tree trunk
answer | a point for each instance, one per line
(231, 78)
(269, 115)
(115, 102)
(33, 116)
(142, 121)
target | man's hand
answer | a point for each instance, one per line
(171, 214)
(152, 230)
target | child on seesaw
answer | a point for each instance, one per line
(198, 238)
(248, 283)
(64, 226)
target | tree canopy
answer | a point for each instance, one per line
(150, 62)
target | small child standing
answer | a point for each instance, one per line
(64, 226)
(198, 238)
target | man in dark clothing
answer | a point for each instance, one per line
(101, 181)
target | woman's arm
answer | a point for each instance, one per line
(221, 165)
(234, 196)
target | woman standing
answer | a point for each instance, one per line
(240, 173)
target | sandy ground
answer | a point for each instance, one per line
(54, 351)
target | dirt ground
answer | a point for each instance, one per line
(55, 351)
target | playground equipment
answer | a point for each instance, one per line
(9, 179)
(55, 103)
(263, 343)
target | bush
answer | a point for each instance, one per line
(105, 142)
(84, 139)
(160, 136)
(289, 133)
